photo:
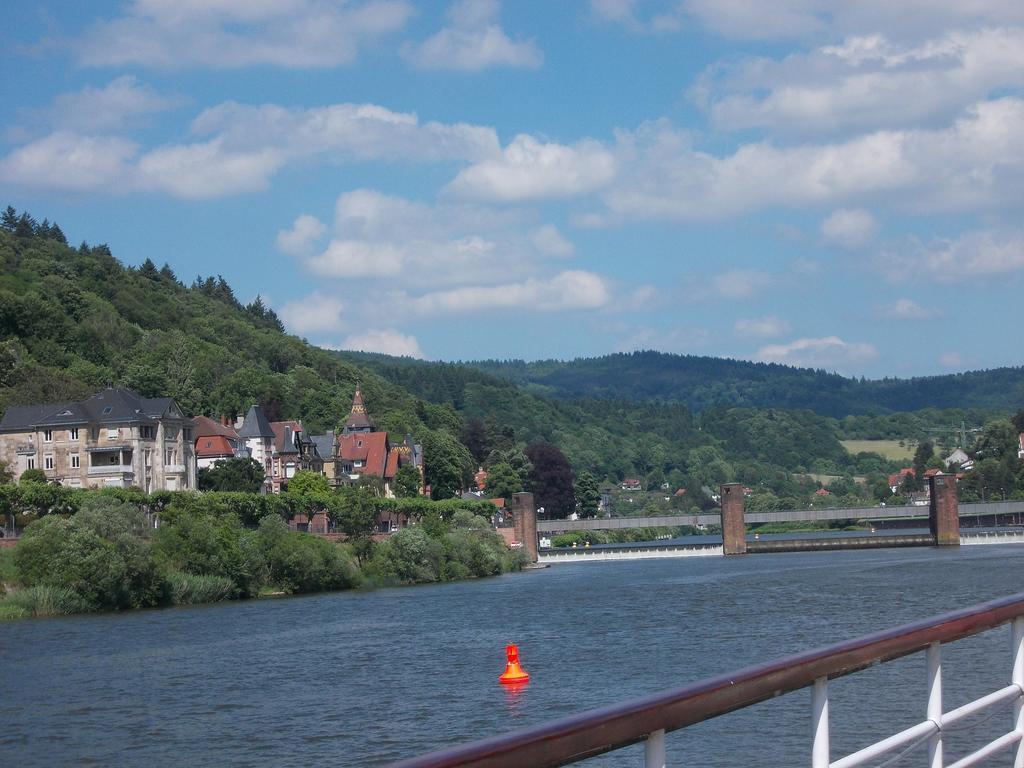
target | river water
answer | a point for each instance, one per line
(365, 678)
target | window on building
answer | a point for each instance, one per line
(47, 435)
(48, 462)
(169, 456)
(149, 458)
(75, 461)
(170, 433)
(147, 433)
(30, 463)
(73, 434)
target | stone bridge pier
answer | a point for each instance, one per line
(943, 515)
(524, 522)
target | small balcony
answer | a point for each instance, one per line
(25, 448)
(112, 469)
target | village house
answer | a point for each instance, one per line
(215, 441)
(281, 447)
(359, 451)
(113, 439)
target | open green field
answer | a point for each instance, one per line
(890, 449)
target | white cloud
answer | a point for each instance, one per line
(907, 309)
(741, 283)
(317, 313)
(224, 34)
(624, 12)
(473, 42)
(358, 259)
(830, 352)
(760, 327)
(408, 245)
(549, 240)
(977, 254)
(244, 147)
(68, 162)
(849, 228)
(566, 290)
(300, 239)
(121, 103)
(199, 171)
(970, 165)
(387, 342)
(344, 132)
(528, 169)
(794, 19)
(866, 83)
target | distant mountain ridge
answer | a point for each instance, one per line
(706, 382)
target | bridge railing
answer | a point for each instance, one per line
(648, 719)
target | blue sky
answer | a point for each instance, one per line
(835, 185)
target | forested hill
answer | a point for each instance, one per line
(704, 382)
(74, 320)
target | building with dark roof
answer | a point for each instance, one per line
(113, 439)
(359, 450)
(293, 450)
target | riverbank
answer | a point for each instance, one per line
(106, 558)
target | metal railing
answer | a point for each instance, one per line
(648, 719)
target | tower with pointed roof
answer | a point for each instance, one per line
(259, 437)
(358, 420)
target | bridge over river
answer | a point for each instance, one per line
(967, 512)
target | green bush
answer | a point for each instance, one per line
(470, 553)
(298, 562)
(191, 589)
(97, 554)
(203, 545)
(411, 556)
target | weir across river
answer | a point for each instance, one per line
(942, 516)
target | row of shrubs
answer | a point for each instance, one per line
(107, 556)
(23, 503)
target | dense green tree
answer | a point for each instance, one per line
(923, 454)
(551, 480)
(238, 474)
(148, 270)
(502, 481)
(1018, 421)
(997, 440)
(588, 494)
(447, 465)
(9, 219)
(98, 554)
(312, 485)
(407, 482)
(30, 476)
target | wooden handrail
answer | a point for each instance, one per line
(609, 728)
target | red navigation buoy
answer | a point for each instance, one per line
(514, 674)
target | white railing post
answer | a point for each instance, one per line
(654, 750)
(819, 724)
(1017, 678)
(934, 713)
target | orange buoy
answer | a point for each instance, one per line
(514, 674)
